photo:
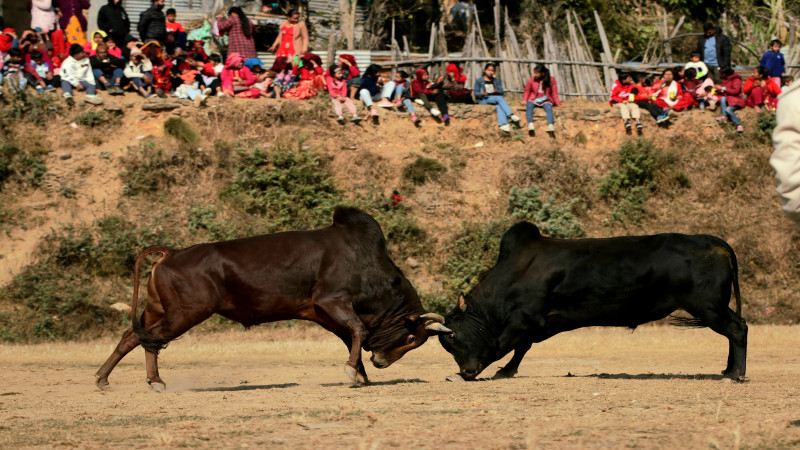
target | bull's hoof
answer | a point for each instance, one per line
(735, 375)
(503, 374)
(102, 384)
(355, 376)
(158, 386)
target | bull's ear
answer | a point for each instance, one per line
(462, 304)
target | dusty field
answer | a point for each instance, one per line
(655, 388)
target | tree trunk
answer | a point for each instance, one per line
(375, 30)
(347, 22)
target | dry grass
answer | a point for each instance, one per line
(269, 387)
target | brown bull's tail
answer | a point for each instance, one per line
(149, 342)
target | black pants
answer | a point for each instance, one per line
(652, 108)
(214, 86)
(439, 98)
(463, 98)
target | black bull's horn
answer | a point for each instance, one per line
(435, 322)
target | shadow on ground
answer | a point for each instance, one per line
(648, 376)
(379, 383)
(245, 387)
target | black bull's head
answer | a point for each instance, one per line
(470, 343)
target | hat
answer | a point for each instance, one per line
(9, 30)
(252, 62)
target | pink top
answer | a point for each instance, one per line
(337, 88)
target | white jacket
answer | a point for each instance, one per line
(76, 71)
(785, 158)
(133, 70)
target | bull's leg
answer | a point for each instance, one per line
(128, 342)
(153, 379)
(511, 368)
(344, 335)
(338, 313)
(729, 324)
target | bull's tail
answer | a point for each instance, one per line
(149, 342)
(735, 268)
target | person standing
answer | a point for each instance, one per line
(785, 158)
(774, 61)
(66, 10)
(292, 37)
(240, 33)
(715, 49)
(153, 23)
(43, 15)
(113, 19)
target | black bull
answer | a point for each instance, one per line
(541, 286)
(340, 277)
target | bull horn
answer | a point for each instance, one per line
(432, 316)
(437, 327)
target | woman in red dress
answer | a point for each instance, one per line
(292, 37)
(311, 79)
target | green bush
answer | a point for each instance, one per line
(94, 119)
(766, 123)
(22, 163)
(628, 185)
(472, 251)
(28, 106)
(423, 170)
(553, 218)
(438, 302)
(290, 187)
(182, 131)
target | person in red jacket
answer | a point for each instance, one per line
(730, 97)
(423, 90)
(311, 79)
(541, 90)
(337, 87)
(643, 93)
(671, 95)
(761, 90)
(622, 98)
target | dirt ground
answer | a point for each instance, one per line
(654, 388)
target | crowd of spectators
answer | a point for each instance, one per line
(56, 53)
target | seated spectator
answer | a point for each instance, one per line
(162, 67)
(108, 70)
(311, 79)
(697, 64)
(373, 89)
(671, 94)
(622, 98)
(488, 90)
(643, 93)
(402, 94)
(111, 47)
(98, 37)
(176, 35)
(264, 78)
(541, 91)
(284, 76)
(350, 73)
(774, 61)
(45, 77)
(237, 80)
(191, 89)
(139, 72)
(337, 87)
(198, 46)
(14, 71)
(730, 92)
(761, 90)
(786, 81)
(76, 72)
(424, 89)
(7, 39)
(206, 71)
(705, 94)
(454, 85)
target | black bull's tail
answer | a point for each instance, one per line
(697, 323)
(148, 341)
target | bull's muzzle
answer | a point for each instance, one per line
(379, 361)
(470, 372)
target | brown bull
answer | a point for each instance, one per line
(340, 277)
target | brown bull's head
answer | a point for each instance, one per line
(390, 343)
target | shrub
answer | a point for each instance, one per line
(471, 252)
(25, 105)
(423, 170)
(438, 302)
(147, 170)
(766, 123)
(291, 188)
(22, 161)
(554, 219)
(182, 131)
(93, 119)
(627, 186)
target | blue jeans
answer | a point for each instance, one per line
(367, 98)
(398, 93)
(729, 111)
(500, 104)
(116, 74)
(548, 109)
(66, 86)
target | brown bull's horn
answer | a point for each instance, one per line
(432, 316)
(436, 326)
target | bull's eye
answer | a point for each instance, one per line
(411, 339)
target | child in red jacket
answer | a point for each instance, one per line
(541, 90)
(337, 87)
(761, 90)
(622, 98)
(731, 99)
(424, 90)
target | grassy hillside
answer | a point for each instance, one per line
(82, 191)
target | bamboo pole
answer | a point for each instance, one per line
(610, 73)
